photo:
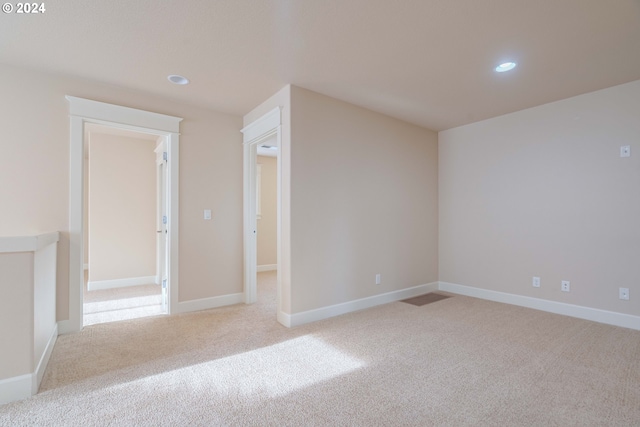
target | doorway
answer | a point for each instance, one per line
(267, 224)
(83, 112)
(264, 131)
(124, 225)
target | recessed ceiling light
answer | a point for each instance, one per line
(179, 80)
(506, 66)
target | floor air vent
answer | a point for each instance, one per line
(425, 299)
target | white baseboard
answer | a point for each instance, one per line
(297, 319)
(207, 303)
(16, 388)
(284, 319)
(120, 283)
(587, 313)
(44, 360)
(65, 327)
(25, 386)
(267, 267)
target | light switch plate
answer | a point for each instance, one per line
(207, 214)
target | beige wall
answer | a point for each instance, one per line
(364, 200)
(267, 226)
(122, 207)
(35, 164)
(543, 192)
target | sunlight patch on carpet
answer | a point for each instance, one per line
(121, 309)
(120, 304)
(271, 371)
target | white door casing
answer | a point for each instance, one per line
(82, 111)
(253, 134)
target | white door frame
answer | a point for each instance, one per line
(82, 111)
(253, 134)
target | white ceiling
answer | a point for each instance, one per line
(429, 62)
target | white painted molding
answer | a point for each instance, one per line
(28, 243)
(84, 111)
(304, 317)
(44, 360)
(16, 388)
(207, 303)
(27, 385)
(259, 128)
(125, 116)
(159, 150)
(66, 327)
(284, 319)
(587, 313)
(120, 283)
(267, 267)
(264, 127)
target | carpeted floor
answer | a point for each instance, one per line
(459, 361)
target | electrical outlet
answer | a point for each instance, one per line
(536, 282)
(566, 286)
(624, 294)
(378, 279)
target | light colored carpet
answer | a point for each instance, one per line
(112, 305)
(459, 361)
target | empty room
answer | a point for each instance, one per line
(356, 212)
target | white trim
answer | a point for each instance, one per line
(16, 388)
(207, 303)
(587, 313)
(252, 134)
(120, 283)
(259, 127)
(66, 327)
(267, 267)
(82, 111)
(28, 243)
(25, 386)
(304, 317)
(131, 118)
(44, 360)
(284, 318)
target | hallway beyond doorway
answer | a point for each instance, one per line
(112, 305)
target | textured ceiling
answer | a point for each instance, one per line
(429, 62)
